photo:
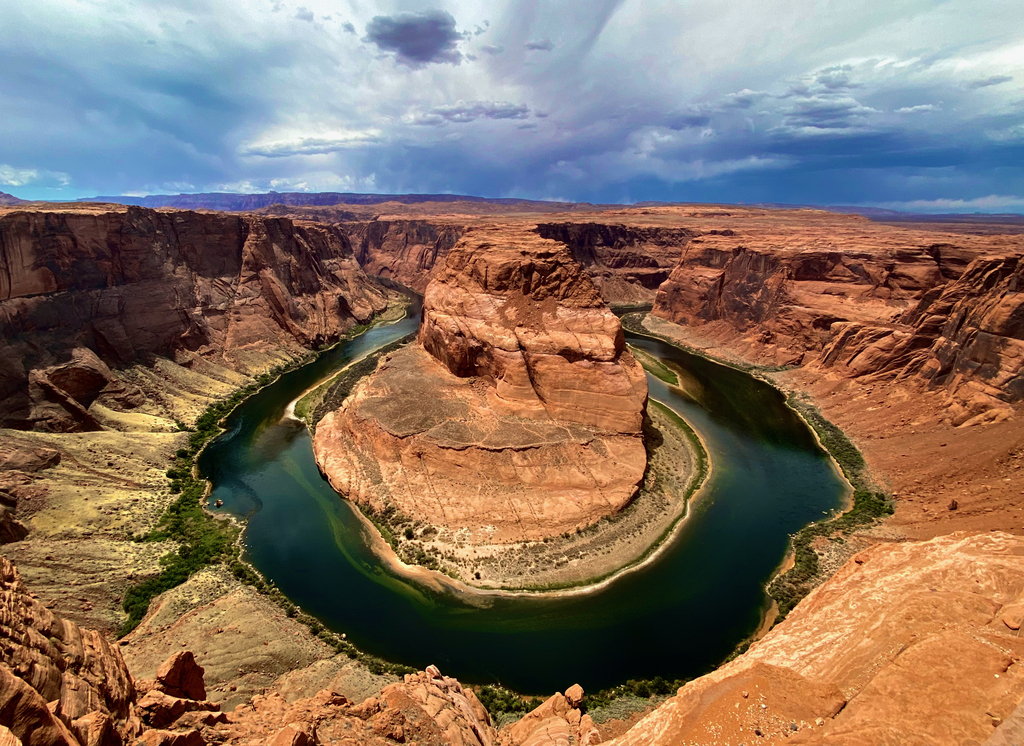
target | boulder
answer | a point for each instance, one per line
(181, 676)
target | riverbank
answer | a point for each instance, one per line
(819, 549)
(571, 564)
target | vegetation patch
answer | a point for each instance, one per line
(202, 539)
(205, 540)
(869, 505)
(655, 367)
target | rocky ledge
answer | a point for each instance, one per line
(518, 416)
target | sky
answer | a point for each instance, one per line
(906, 104)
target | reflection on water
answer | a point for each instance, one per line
(674, 618)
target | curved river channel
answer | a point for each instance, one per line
(676, 617)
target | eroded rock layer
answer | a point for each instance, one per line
(907, 643)
(524, 316)
(838, 292)
(519, 417)
(87, 289)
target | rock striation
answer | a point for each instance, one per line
(518, 416)
(859, 299)
(59, 683)
(87, 289)
(907, 643)
(965, 336)
(627, 263)
(403, 250)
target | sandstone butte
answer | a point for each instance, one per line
(528, 409)
(907, 336)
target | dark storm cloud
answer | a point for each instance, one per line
(986, 82)
(541, 45)
(468, 111)
(636, 105)
(417, 38)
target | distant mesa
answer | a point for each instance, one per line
(233, 202)
(7, 200)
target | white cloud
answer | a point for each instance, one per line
(310, 144)
(918, 109)
(19, 177)
(990, 203)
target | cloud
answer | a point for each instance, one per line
(989, 81)
(303, 13)
(918, 108)
(835, 78)
(541, 45)
(650, 100)
(989, 203)
(311, 145)
(19, 177)
(827, 112)
(469, 111)
(417, 39)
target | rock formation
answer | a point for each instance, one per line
(59, 684)
(907, 643)
(527, 409)
(403, 250)
(85, 288)
(838, 292)
(558, 720)
(627, 263)
(966, 336)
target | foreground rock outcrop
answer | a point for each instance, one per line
(84, 289)
(915, 643)
(518, 417)
(59, 683)
(62, 685)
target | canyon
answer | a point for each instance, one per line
(119, 321)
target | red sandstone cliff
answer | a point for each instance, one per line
(85, 288)
(523, 315)
(835, 292)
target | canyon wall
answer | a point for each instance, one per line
(402, 250)
(627, 263)
(519, 415)
(843, 296)
(89, 289)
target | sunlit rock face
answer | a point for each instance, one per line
(91, 288)
(523, 315)
(519, 414)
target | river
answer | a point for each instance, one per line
(676, 617)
